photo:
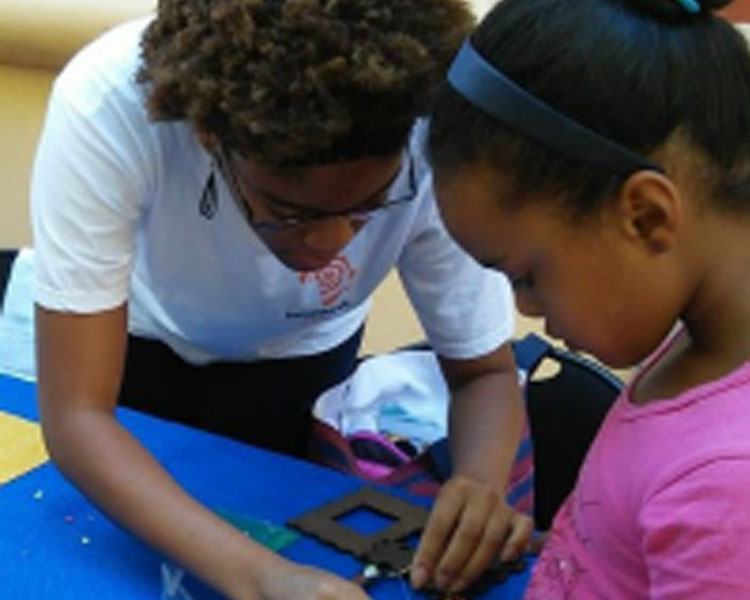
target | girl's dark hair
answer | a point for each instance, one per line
(300, 82)
(635, 71)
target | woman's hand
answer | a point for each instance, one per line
(290, 581)
(470, 525)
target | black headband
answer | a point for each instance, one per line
(488, 89)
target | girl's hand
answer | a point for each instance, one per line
(468, 528)
(297, 582)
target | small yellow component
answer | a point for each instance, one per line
(21, 447)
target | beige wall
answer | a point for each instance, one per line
(22, 101)
(36, 38)
(45, 33)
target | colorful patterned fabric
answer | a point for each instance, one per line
(420, 475)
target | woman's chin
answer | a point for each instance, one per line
(304, 264)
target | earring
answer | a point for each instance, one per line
(209, 200)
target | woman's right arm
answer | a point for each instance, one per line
(80, 360)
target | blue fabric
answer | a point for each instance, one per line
(54, 544)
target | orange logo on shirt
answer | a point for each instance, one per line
(332, 279)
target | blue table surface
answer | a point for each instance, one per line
(54, 544)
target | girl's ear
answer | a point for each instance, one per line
(650, 210)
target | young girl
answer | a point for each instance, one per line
(598, 153)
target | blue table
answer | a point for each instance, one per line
(55, 545)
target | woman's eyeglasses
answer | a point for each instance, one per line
(359, 215)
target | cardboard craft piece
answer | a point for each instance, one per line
(322, 523)
(388, 550)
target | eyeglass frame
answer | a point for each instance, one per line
(223, 160)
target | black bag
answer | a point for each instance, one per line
(565, 412)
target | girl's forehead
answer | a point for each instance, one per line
(476, 218)
(468, 204)
(489, 225)
(478, 196)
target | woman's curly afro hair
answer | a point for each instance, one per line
(300, 82)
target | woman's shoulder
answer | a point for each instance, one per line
(105, 69)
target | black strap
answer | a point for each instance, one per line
(7, 256)
(487, 88)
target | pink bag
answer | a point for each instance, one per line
(376, 459)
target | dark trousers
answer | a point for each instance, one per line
(267, 403)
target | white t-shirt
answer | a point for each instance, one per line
(116, 216)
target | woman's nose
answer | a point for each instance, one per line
(328, 236)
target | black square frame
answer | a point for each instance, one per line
(322, 523)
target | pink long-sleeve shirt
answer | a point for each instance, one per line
(661, 509)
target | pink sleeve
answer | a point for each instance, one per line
(696, 533)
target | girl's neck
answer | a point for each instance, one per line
(717, 315)
(716, 318)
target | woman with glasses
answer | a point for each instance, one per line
(216, 194)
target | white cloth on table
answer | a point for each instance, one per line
(17, 319)
(402, 393)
